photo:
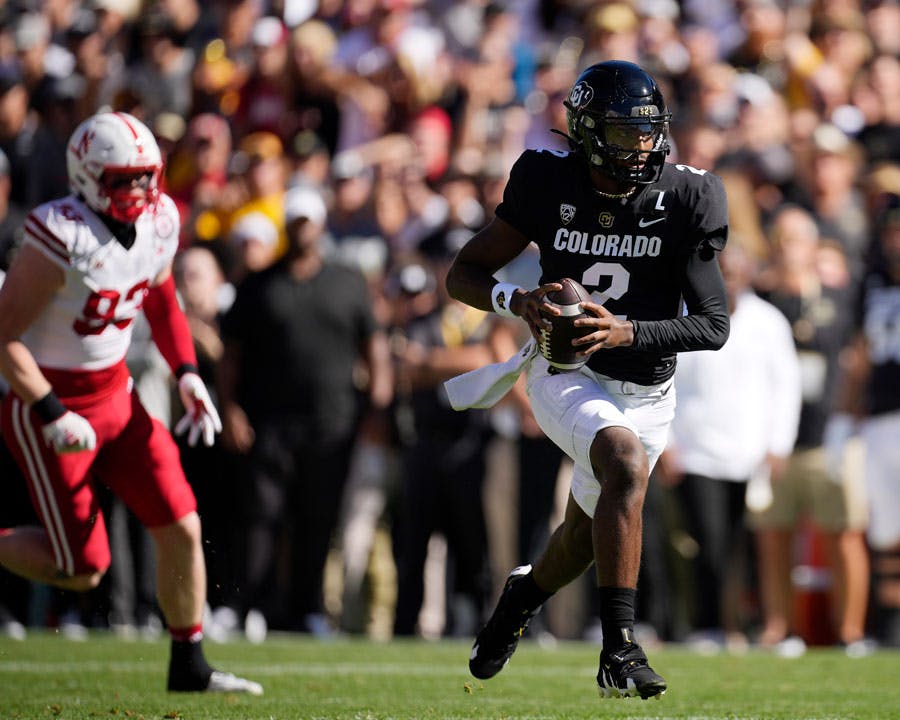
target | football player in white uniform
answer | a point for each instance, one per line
(89, 262)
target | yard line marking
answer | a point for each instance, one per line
(273, 669)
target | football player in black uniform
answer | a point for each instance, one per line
(641, 234)
(871, 393)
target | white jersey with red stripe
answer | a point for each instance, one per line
(88, 324)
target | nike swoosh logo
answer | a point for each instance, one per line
(643, 222)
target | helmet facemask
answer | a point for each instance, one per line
(129, 190)
(615, 145)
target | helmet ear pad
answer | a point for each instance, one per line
(611, 107)
(107, 151)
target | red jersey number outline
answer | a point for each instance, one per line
(99, 310)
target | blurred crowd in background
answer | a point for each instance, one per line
(344, 494)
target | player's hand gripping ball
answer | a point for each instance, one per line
(556, 344)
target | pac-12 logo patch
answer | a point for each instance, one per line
(566, 213)
(581, 94)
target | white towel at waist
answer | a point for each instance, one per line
(484, 387)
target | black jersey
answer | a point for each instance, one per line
(300, 340)
(822, 324)
(638, 255)
(879, 312)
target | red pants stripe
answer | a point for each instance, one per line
(135, 456)
(30, 442)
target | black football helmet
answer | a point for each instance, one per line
(611, 107)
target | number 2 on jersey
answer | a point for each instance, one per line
(619, 281)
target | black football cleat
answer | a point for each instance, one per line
(626, 673)
(498, 639)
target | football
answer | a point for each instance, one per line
(556, 344)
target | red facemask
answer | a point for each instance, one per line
(130, 191)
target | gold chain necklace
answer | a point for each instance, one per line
(616, 196)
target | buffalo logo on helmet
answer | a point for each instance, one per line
(566, 213)
(581, 94)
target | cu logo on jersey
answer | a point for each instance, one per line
(606, 219)
(566, 213)
(581, 94)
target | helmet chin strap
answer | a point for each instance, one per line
(573, 143)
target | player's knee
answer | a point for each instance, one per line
(89, 566)
(620, 463)
(83, 582)
(184, 532)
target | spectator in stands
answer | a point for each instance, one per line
(31, 35)
(877, 95)
(827, 185)
(254, 240)
(161, 78)
(736, 424)
(870, 393)
(11, 216)
(299, 432)
(257, 184)
(814, 482)
(265, 99)
(197, 176)
(24, 140)
(444, 461)
(214, 473)
(16, 506)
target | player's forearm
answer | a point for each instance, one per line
(170, 328)
(21, 371)
(707, 324)
(694, 332)
(471, 277)
(471, 284)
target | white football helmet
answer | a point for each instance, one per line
(114, 163)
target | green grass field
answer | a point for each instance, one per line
(54, 678)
